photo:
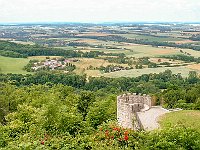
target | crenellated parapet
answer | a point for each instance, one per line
(129, 104)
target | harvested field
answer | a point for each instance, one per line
(84, 63)
(194, 66)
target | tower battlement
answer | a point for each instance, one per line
(128, 104)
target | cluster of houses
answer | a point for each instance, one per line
(52, 64)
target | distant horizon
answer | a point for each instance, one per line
(106, 22)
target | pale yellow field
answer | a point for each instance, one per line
(184, 42)
(84, 63)
(135, 50)
(194, 66)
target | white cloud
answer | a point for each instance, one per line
(99, 10)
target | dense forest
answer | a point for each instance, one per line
(66, 111)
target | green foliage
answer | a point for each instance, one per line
(186, 98)
(19, 50)
(112, 136)
(184, 58)
(193, 77)
(177, 137)
(12, 54)
(56, 116)
(84, 101)
(102, 111)
(29, 65)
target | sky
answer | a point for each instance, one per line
(95, 11)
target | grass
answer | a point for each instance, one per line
(13, 65)
(138, 72)
(189, 118)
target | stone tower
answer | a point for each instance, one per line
(128, 105)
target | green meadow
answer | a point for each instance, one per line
(189, 118)
(13, 65)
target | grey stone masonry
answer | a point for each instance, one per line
(128, 105)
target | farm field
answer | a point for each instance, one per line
(82, 66)
(135, 50)
(13, 65)
(188, 118)
(132, 50)
(138, 72)
(151, 38)
(194, 66)
(86, 39)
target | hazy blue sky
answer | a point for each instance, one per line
(99, 10)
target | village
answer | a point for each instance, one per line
(54, 64)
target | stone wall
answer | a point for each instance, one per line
(128, 105)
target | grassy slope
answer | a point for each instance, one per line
(189, 118)
(13, 65)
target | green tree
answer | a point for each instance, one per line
(85, 100)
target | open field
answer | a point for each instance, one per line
(13, 65)
(138, 72)
(135, 50)
(191, 52)
(185, 42)
(84, 63)
(194, 66)
(189, 118)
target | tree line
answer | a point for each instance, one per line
(147, 84)
(19, 50)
